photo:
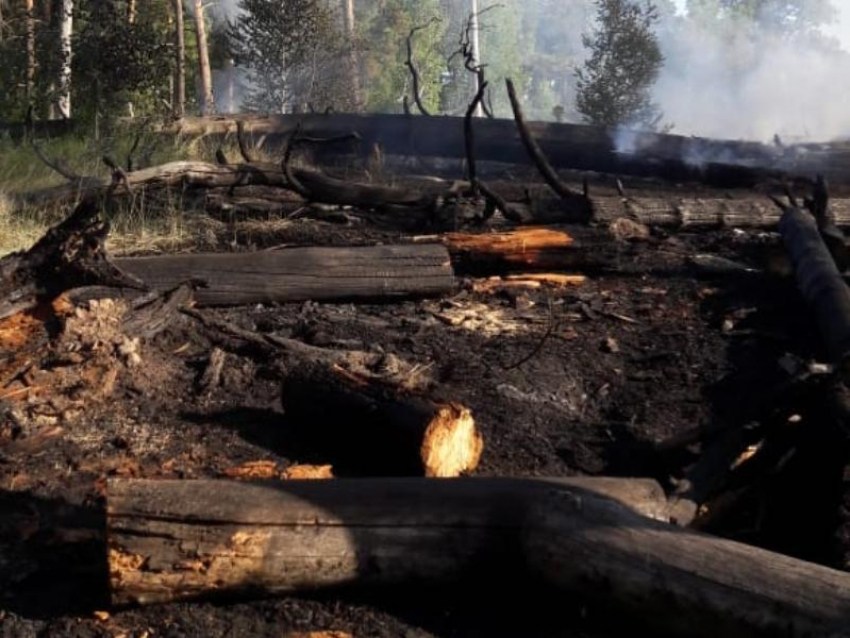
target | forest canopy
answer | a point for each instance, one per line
(97, 60)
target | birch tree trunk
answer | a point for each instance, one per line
(131, 20)
(179, 97)
(30, 50)
(66, 29)
(475, 40)
(207, 98)
(353, 57)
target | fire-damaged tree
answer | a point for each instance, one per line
(614, 87)
(294, 55)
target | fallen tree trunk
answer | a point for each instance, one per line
(670, 157)
(685, 582)
(183, 540)
(178, 540)
(380, 425)
(205, 175)
(819, 281)
(697, 213)
(298, 274)
(654, 211)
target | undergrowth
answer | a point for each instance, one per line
(145, 222)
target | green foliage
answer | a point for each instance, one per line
(384, 29)
(789, 17)
(285, 44)
(614, 86)
(116, 62)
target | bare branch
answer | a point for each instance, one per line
(417, 94)
(240, 139)
(56, 165)
(494, 200)
(577, 201)
(296, 185)
(469, 136)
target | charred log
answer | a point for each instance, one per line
(298, 274)
(178, 540)
(69, 255)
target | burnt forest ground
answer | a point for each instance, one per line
(627, 362)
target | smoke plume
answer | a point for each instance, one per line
(747, 83)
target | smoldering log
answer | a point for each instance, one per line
(687, 583)
(298, 274)
(369, 423)
(567, 146)
(702, 213)
(674, 212)
(183, 540)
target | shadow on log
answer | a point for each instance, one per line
(592, 538)
(386, 428)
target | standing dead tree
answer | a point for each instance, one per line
(469, 52)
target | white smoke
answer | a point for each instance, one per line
(751, 84)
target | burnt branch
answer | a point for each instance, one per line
(56, 165)
(243, 146)
(414, 72)
(469, 138)
(494, 200)
(467, 52)
(576, 201)
(294, 183)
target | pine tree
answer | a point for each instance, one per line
(615, 85)
(288, 46)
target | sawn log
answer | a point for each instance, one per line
(177, 540)
(298, 274)
(594, 538)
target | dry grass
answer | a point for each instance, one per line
(19, 229)
(148, 223)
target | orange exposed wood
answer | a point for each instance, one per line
(304, 472)
(253, 470)
(527, 247)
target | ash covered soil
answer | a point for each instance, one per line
(587, 380)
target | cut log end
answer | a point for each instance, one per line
(524, 248)
(452, 444)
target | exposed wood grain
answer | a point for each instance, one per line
(172, 540)
(298, 274)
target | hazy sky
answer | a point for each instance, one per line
(841, 29)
